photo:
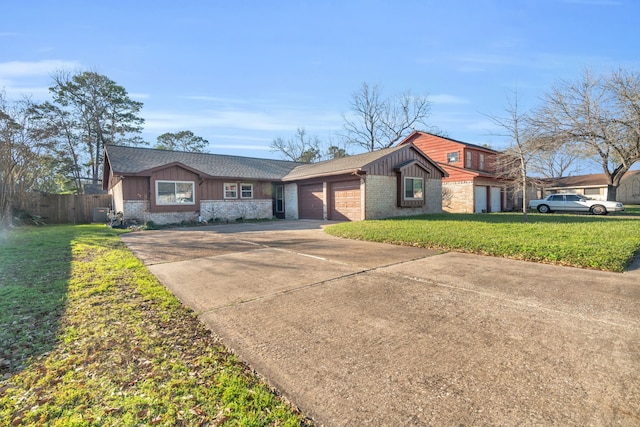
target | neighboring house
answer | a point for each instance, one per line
(472, 184)
(169, 186)
(595, 186)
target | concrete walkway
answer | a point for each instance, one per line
(358, 333)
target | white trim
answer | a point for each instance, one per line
(242, 191)
(224, 190)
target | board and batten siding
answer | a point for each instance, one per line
(213, 189)
(387, 165)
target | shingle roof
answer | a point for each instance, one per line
(133, 160)
(339, 166)
(592, 180)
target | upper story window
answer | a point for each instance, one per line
(452, 157)
(481, 161)
(413, 188)
(246, 191)
(467, 163)
(175, 193)
(230, 190)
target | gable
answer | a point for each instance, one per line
(381, 162)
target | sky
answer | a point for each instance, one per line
(242, 73)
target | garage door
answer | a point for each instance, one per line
(496, 199)
(345, 201)
(310, 201)
(480, 193)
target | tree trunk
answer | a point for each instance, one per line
(612, 191)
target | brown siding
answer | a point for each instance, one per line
(386, 166)
(174, 173)
(213, 189)
(136, 188)
(437, 149)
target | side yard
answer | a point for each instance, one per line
(89, 337)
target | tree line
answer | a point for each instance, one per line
(57, 146)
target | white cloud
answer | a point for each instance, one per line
(32, 79)
(40, 68)
(268, 120)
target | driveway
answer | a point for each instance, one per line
(359, 333)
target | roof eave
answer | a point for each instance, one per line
(318, 175)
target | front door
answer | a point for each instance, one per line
(278, 201)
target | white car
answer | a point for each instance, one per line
(574, 203)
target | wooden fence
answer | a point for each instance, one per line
(65, 208)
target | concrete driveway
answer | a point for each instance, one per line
(358, 333)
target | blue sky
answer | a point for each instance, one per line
(241, 73)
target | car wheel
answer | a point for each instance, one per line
(598, 210)
(544, 209)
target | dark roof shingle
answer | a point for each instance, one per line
(134, 160)
(339, 166)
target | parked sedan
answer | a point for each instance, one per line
(574, 203)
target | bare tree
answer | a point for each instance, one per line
(20, 155)
(376, 123)
(557, 162)
(514, 162)
(300, 148)
(600, 114)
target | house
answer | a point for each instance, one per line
(595, 186)
(472, 184)
(170, 187)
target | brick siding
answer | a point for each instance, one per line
(222, 210)
(458, 197)
(291, 201)
(381, 198)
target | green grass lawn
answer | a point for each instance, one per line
(605, 243)
(89, 337)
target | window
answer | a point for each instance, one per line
(481, 162)
(592, 191)
(230, 190)
(452, 157)
(175, 193)
(279, 198)
(468, 159)
(413, 188)
(246, 191)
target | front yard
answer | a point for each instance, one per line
(604, 243)
(89, 337)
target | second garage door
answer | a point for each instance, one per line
(345, 201)
(310, 201)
